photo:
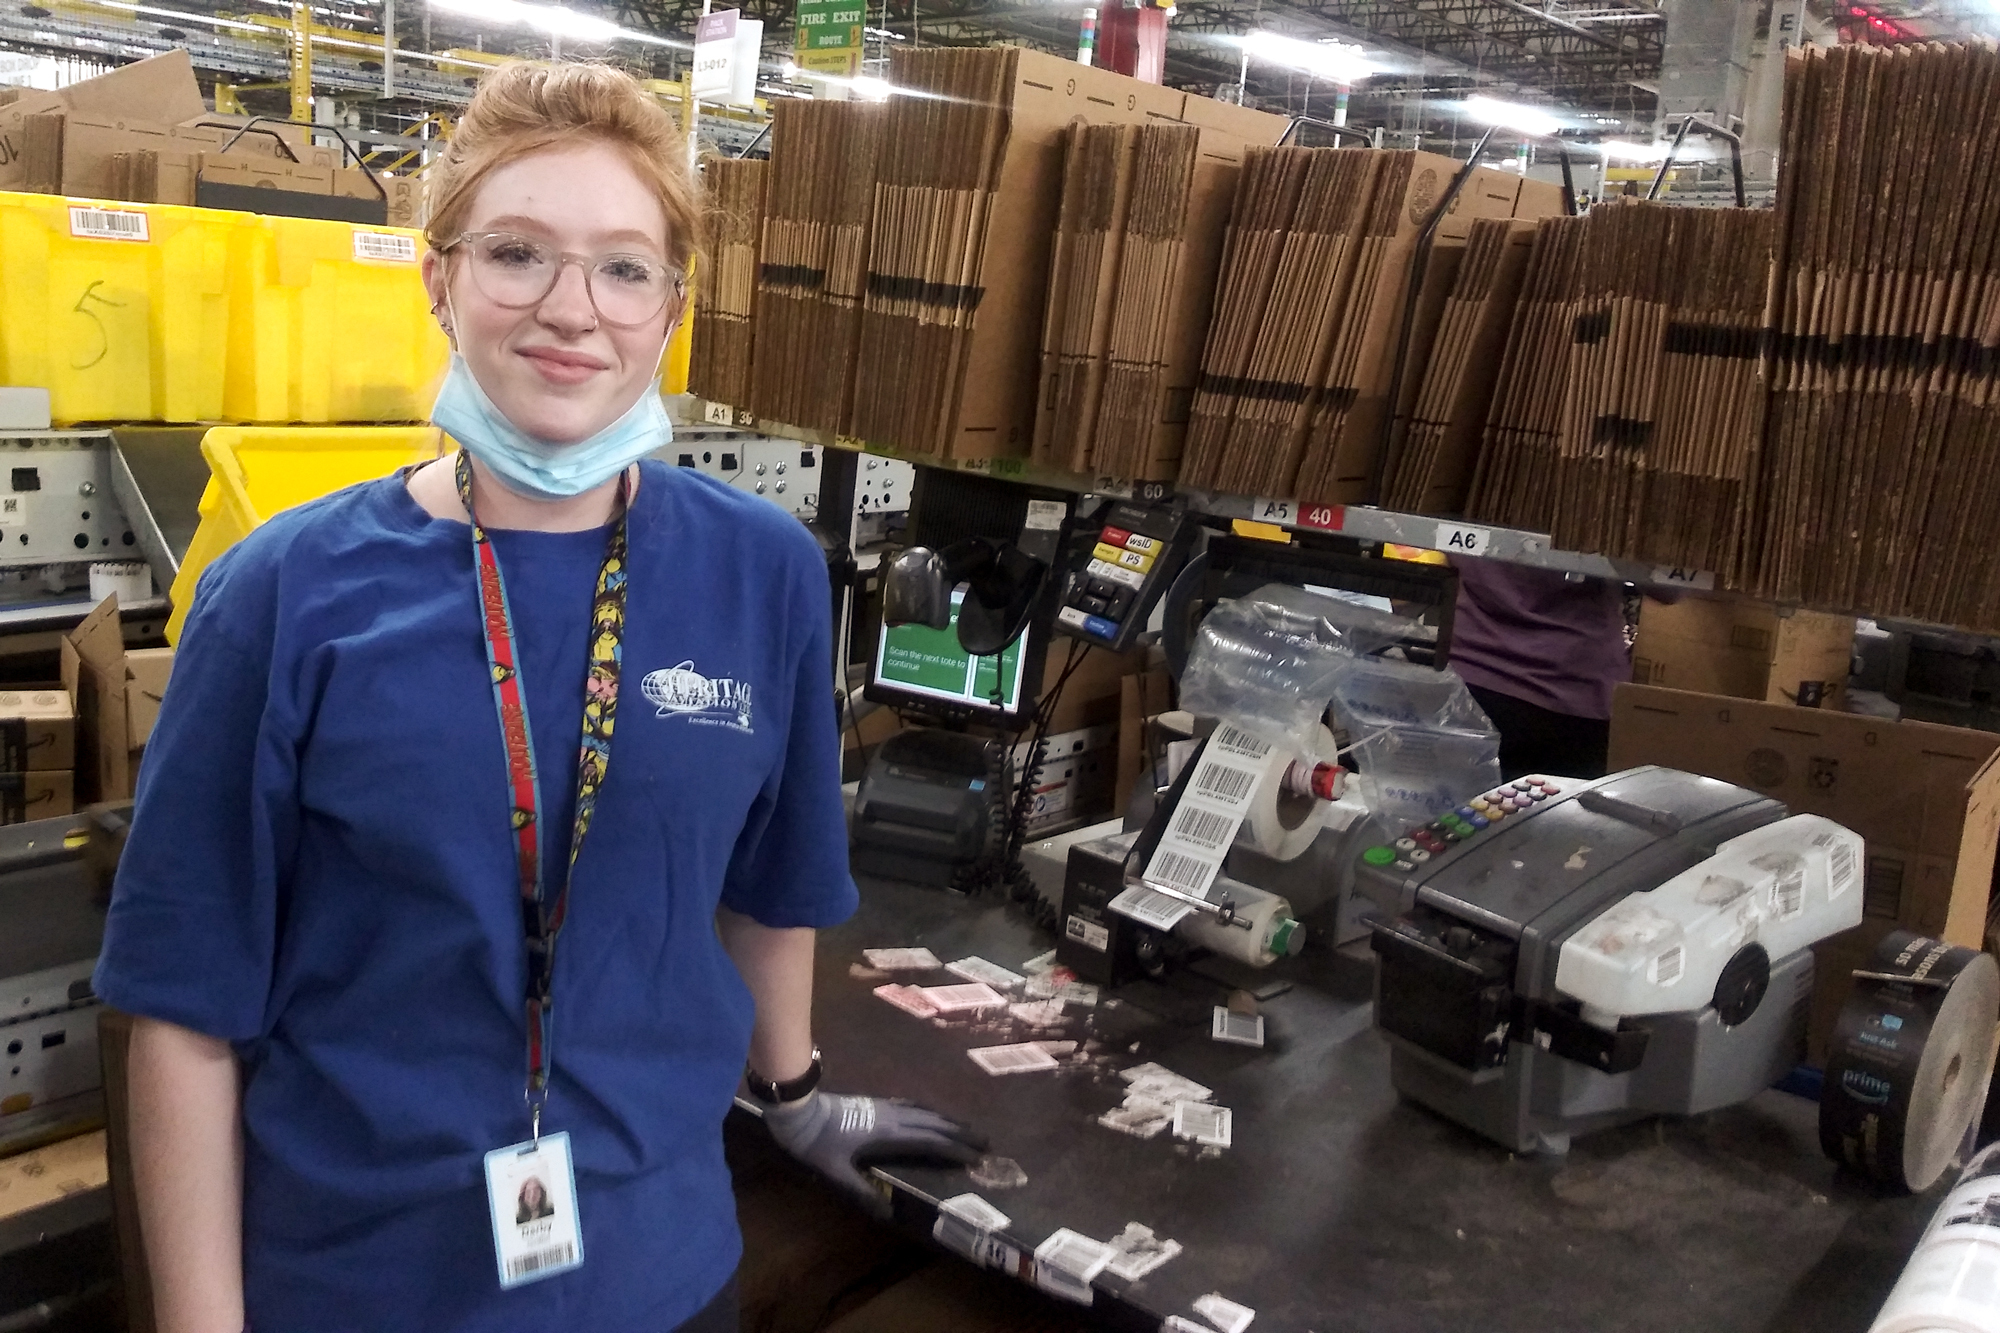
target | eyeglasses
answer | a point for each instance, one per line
(516, 272)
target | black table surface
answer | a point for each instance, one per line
(1339, 1206)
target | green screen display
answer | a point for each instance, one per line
(931, 663)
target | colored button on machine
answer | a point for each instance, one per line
(1142, 544)
(1481, 821)
(1109, 554)
(1114, 537)
(1420, 856)
(1406, 844)
(1379, 856)
(1100, 627)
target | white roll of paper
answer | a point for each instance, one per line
(1281, 822)
(1272, 933)
(1952, 1282)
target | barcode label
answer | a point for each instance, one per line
(1667, 966)
(1841, 863)
(1017, 1059)
(1146, 907)
(552, 1257)
(1234, 740)
(1209, 828)
(1788, 895)
(108, 224)
(385, 246)
(1233, 785)
(1181, 872)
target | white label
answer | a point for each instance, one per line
(718, 414)
(1203, 1123)
(383, 245)
(1236, 741)
(1267, 510)
(531, 1193)
(1023, 1058)
(1070, 615)
(1788, 895)
(1150, 908)
(1841, 864)
(1176, 870)
(901, 960)
(13, 511)
(957, 999)
(108, 224)
(1044, 515)
(1224, 1313)
(1242, 1029)
(1457, 539)
(1684, 578)
(1667, 966)
(1087, 933)
(978, 969)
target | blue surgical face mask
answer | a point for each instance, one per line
(535, 469)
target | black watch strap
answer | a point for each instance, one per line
(764, 1090)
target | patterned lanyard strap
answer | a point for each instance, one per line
(541, 919)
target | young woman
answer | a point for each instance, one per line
(426, 729)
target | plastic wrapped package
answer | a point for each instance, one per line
(1269, 662)
(1420, 743)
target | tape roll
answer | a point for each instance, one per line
(1282, 823)
(1953, 1275)
(1910, 1062)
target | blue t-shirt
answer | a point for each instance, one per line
(321, 872)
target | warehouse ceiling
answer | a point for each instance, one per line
(1596, 63)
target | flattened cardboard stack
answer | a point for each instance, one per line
(1439, 434)
(1517, 458)
(810, 278)
(966, 207)
(1882, 467)
(720, 369)
(1310, 312)
(1658, 407)
(1129, 289)
(934, 190)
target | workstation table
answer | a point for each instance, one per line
(1338, 1206)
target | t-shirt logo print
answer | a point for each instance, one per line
(684, 692)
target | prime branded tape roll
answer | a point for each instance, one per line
(1911, 1059)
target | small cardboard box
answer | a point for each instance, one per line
(146, 673)
(73, 1166)
(1744, 649)
(93, 671)
(273, 173)
(1925, 798)
(37, 731)
(406, 200)
(26, 796)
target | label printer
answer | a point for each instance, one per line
(1563, 956)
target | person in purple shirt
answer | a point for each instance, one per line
(1541, 654)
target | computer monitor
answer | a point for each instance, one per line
(926, 670)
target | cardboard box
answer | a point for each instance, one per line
(1746, 650)
(146, 673)
(26, 796)
(1925, 798)
(56, 1171)
(37, 731)
(159, 91)
(93, 671)
(406, 200)
(267, 173)
(1077, 780)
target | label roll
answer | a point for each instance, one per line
(1952, 1282)
(1911, 1059)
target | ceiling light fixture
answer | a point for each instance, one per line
(1506, 115)
(1337, 62)
(556, 20)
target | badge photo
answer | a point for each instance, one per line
(531, 1193)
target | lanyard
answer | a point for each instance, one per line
(541, 919)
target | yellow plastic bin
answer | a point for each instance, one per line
(256, 471)
(119, 310)
(329, 322)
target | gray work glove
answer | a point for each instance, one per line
(840, 1136)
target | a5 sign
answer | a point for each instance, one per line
(1294, 514)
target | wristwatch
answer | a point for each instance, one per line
(764, 1090)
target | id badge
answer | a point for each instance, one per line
(531, 1193)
